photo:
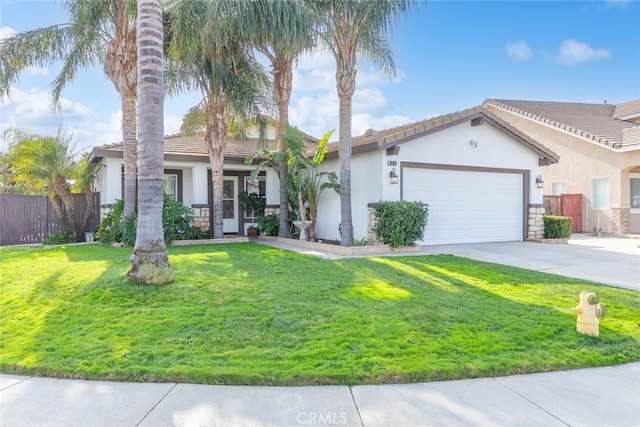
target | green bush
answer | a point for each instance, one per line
(110, 229)
(557, 227)
(60, 238)
(269, 225)
(176, 223)
(176, 220)
(400, 223)
(130, 229)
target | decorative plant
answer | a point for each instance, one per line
(305, 182)
(305, 178)
(253, 203)
(400, 223)
(269, 225)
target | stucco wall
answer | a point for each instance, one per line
(581, 162)
(366, 187)
(492, 148)
(451, 146)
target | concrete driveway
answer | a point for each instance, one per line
(610, 260)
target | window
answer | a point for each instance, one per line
(557, 188)
(600, 194)
(259, 186)
(171, 185)
(634, 191)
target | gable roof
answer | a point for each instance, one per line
(599, 123)
(193, 148)
(388, 138)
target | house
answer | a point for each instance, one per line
(187, 178)
(476, 172)
(599, 145)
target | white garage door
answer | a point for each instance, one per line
(467, 207)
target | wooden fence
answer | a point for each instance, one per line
(566, 205)
(30, 219)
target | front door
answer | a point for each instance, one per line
(230, 204)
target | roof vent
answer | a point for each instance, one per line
(370, 132)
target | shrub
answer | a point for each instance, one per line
(130, 229)
(400, 223)
(176, 223)
(60, 238)
(110, 229)
(176, 220)
(557, 227)
(269, 225)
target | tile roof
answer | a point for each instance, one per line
(626, 109)
(594, 122)
(383, 139)
(195, 146)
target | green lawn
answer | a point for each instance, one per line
(251, 314)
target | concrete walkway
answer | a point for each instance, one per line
(610, 260)
(608, 396)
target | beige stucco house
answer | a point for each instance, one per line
(599, 150)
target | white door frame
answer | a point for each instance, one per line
(230, 225)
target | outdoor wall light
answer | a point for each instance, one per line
(393, 176)
(539, 182)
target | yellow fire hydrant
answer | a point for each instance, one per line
(589, 310)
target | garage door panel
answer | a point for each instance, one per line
(467, 206)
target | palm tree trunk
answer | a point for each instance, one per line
(121, 67)
(62, 189)
(150, 262)
(282, 82)
(130, 148)
(346, 84)
(88, 198)
(216, 137)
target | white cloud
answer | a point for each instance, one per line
(31, 110)
(619, 3)
(314, 102)
(172, 124)
(6, 32)
(573, 52)
(363, 121)
(519, 51)
(36, 71)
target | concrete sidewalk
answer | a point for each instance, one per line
(608, 396)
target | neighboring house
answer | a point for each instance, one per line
(187, 178)
(599, 148)
(476, 172)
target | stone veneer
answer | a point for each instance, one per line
(621, 221)
(201, 218)
(535, 229)
(105, 210)
(371, 222)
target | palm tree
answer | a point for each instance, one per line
(99, 32)
(281, 30)
(150, 262)
(85, 177)
(350, 28)
(47, 163)
(206, 54)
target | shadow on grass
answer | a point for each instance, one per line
(249, 314)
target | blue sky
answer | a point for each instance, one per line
(450, 55)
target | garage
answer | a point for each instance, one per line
(468, 205)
